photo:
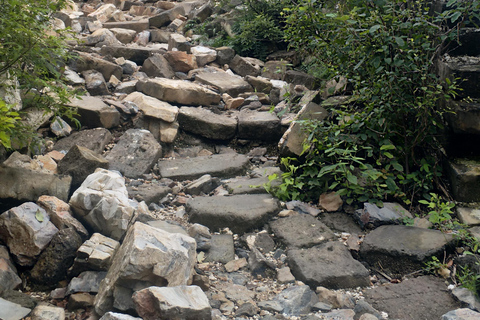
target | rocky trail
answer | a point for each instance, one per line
(156, 208)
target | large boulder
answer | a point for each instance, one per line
(224, 82)
(255, 125)
(87, 61)
(147, 257)
(26, 230)
(158, 66)
(178, 91)
(207, 124)
(9, 279)
(93, 112)
(95, 254)
(135, 153)
(102, 203)
(182, 302)
(240, 213)
(93, 139)
(153, 107)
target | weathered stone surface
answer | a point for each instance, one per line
(221, 248)
(87, 61)
(136, 54)
(329, 265)
(255, 125)
(300, 78)
(88, 281)
(9, 280)
(260, 84)
(94, 112)
(81, 300)
(53, 263)
(123, 35)
(95, 83)
(160, 35)
(182, 302)
(166, 17)
(463, 68)
(24, 234)
(135, 25)
(47, 312)
(153, 107)
(95, 254)
(203, 55)
(12, 311)
(25, 184)
(205, 184)
(101, 37)
(224, 55)
(181, 61)
(248, 186)
(467, 297)
(469, 216)
(302, 207)
(147, 257)
(149, 192)
(296, 300)
(224, 82)
(93, 139)
(218, 165)
(461, 314)
(102, 202)
(79, 163)
(202, 236)
(275, 70)
(245, 66)
(158, 66)
(178, 42)
(118, 316)
(284, 275)
(465, 180)
(403, 249)
(239, 213)
(372, 216)
(207, 124)
(60, 128)
(301, 231)
(135, 153)
(425, 296)
(178, 91)
(291, 142)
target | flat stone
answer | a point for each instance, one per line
(81, 300)
(153, 107)
(464, 176)
(284, 275)
(47, 312)
(87, 281)
(135, 54)
(93, 139)
(239, 213)
(158, 66)
(207, 124)
(26, 230)
(218, 165)
(203, 55)
(469, 216)
(372, 216)
(301, 78)
(426, 297)
(12, 311)
(87, 61)
(205, 184)
(123, 35)
(403, 249)
(254, 125)
(224, 82)
(149, 192)
(302, 207)
(95, 254)
(135, 153)
(461, 314)
(178, 91)
(182, 302)
(245, 66)
(296, 300)
(301, 231)
(136, 25)
(181, 61)
(329, 265)
(221, 249)
(118, 316)
(168, 226)
(235, 265)
(166, 17)
(248, 186)
(93, 112)
(467, 297)
(147, 257)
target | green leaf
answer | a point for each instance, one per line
(39, 215)
(455, 16)
(388, 155)
(374, 28)
(400, 41)
(387, 147)
(351, 178)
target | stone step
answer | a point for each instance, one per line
(466, 68)
(219, 165)
(464, 177)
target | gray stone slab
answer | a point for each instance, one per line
(224, 82)
(255, 125)
(135, 54)
(328, 265)
(12, 311)
(93, 139)
(207, 124)
(469, 216)
(301, 231)
(424, 297)
(93, 112)
(221, 249)
(402, 249)
(137, 25)
(464, 176)
(239, 213)
(218, 165)
(461, 314)
(249, 186)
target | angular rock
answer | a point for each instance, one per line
(260, 84)
(87, 61)
(118, 316)
(135, 25)
(239, 213)
(25, 184)
(224, 82)
(202, 236)
(81, 300)
(181, 61)
(101, 37)
(123, 35)
(284, 275)
(248, 186)
(296, 300)
(152, 107)
(178, 91)
(60, 128)
(88, 281)
(182, 302)
(26, 230)
(221, 248)
(47, 312)
(102, 202)
(465, 179)
(79, 163)
(203, 55)
(207, 124)
(300, 78)
(12, 311)
(136, 54)
(205, 184)
(93, 139)
(275, 70)
(126, 87)
(95, 254)
(160, 35)
(301, 231)
(461, 314)
(402, 249)
(135, 153)
(302, 207)
(95, 83)
(330, 265)
(245, 66)
(166, 17)
(149, 192)
(94, 112)
(9, 280)
(147, 257)
(253, 125)
(158, 66)
(425, 296)
(53, 263)
(178, 42)
(224, 55)
(372, 216)
(463, 68)
(218, 165)
(467, 297)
